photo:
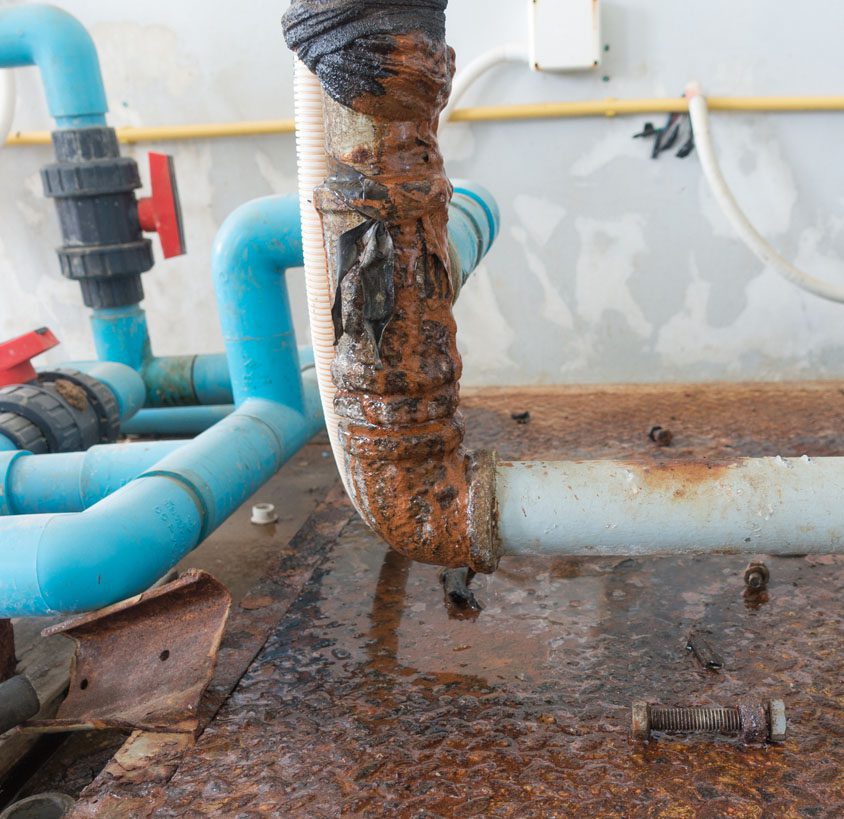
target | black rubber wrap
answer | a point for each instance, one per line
(344, 41)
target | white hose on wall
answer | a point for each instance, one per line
(313, 169)
(511, 52)
(699, 114)
(7, 103)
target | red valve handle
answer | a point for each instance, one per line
(15, 355)
(161, 213)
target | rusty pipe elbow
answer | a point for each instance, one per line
(432, 506)
(384, 211)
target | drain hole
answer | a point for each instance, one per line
(84, 684)
(165, 655)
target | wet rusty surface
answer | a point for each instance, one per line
(717, 422)
(372, 698)
(145, 662)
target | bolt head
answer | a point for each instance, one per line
(756, 576)
(776, 714)
(641, 722)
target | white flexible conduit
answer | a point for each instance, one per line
(699, 113)
(7, 103)
(510, 53)
(313, 169)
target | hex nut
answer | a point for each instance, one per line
(754, 722)
(776, 715)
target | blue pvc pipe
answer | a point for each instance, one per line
(66, 56)
(211, 382)
(73, 481)
(176, 420)
(252, 251)
(120, 546)
(76, 562)
(121, 335)
(474, 222)
(6, 445)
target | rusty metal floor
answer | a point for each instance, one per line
(372, 698)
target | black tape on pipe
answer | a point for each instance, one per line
(347, 43)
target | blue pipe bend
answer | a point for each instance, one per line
(65, 563)
(63, 50)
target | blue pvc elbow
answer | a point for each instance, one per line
(474, 222)
(65, 54)
(253, 250)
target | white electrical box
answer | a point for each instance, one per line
(565, 35)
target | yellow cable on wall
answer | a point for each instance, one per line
(487, 113)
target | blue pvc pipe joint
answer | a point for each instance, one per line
(65, 54)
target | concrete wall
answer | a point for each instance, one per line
(611, 266)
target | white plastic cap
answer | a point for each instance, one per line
(264, 514)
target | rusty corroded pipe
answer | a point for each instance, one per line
(386, 74)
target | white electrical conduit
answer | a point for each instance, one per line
(313, 169)
(7, 103)
(699, 114)
(512, 53)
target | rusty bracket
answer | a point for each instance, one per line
(144, 663)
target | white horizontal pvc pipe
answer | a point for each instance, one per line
(770, 505)
(699, 114)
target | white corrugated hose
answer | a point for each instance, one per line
(313, 169)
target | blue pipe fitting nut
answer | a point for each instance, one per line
(94, 189)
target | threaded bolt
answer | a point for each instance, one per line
(754, 722)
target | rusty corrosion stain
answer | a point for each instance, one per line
(384, 210)
(145, 662)
(681, 477)
(370, 700)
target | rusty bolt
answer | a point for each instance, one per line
(753, 721)
(661, 436)
(756, 576)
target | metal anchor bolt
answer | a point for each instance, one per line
(756, 577)
(753, 721)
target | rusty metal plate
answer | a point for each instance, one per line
(374, 698)
(371, 699)
(144, 663)
(706, 421)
